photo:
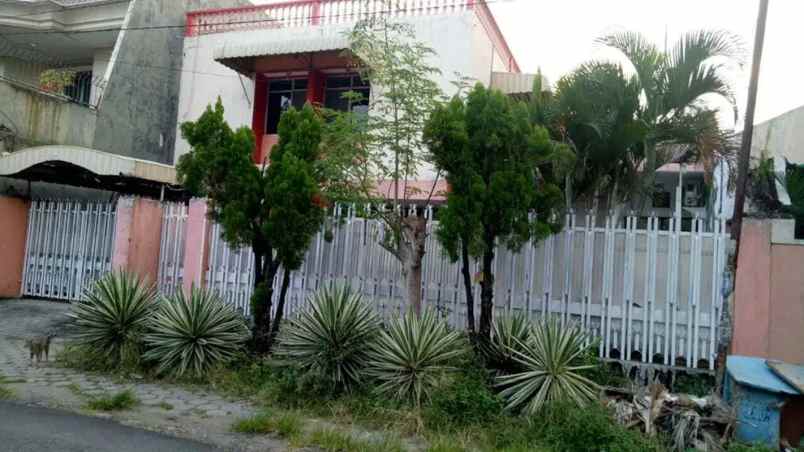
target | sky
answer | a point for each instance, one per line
(557, 35)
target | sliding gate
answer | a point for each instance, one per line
(68, 247)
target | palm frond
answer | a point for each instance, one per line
(551, 358)
(643, 55)
(112, 317)
(331, 337)
(412, 354)
(193, 334)
(696, 67)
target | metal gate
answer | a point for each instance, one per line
(171, 247)
(68, 247)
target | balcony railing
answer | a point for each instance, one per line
(301, 13)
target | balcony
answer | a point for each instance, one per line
(34, 117)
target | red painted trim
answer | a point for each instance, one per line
(258, 117)
(494, 32)
(315, 87)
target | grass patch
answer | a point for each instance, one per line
(165, 406)
(332, 440)
(122, 400)
(285, 425)
(6, 393)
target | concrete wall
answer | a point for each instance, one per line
(769, 292)
(781, 136)
(137, 115)
(13, 230)
(39, 118)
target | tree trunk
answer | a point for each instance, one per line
(467, 286)
(264, 274)
(487, 291)
(411, 253)
(280, 307)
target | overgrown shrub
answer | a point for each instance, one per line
(194, 334)
(331, 337)
(411, 356)
(565, 427)
(466, 400)
(284, 425)
(509, 334)
(552, 359)
(112, 318)
(122, 400)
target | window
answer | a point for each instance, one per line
(80, 89)
(283, 94)
(338, 85)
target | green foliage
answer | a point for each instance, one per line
(192, 335)
(411, 356)
(700, 385)
(332, 440)
(673, 84)
(466, 400)
(553, 362)
(5, 393)
(742, 447)
(276, 210)
(112, 318)
(331, 337)
(794, 181)
(509, 334)
(564, 427)
(285, 425)
(503, 184)
(122, 400)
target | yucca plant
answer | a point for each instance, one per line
(412, 354)
(509, 333)
(552, 359)
(193, 334)
(111, 319)
(331, 337)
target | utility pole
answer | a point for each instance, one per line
(748, 128)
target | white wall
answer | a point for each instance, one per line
(20, 70)
(100, 61)
(203, 80)
(782, 136)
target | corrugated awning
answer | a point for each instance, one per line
(242, 46)
(96, 162)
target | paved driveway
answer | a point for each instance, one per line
(35, 429)
(195, 413)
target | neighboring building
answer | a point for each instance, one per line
(781, 137)
(260, 59)
(116, 121)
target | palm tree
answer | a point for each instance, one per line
(673, 86)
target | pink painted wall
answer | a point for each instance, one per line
(13, 230)
(752, 290)
(137, 237)
(196, 245)
(786, 339)
(769, 296)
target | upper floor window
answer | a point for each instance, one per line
(81, 87)
(337, 85)
(283, 94)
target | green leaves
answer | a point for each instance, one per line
(411, 355)
(552, 359)
(509, 335)
(192, 335)
(331, 337)
(112, 318)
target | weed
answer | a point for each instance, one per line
(165, 406)
(286, 425)
(740, 447)
(332, 440)
(698, 385)
(6, 393)
(122, 400)
(467, 400)
(75, 389)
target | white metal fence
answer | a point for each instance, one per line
(648, 295)
(171, 247)
(68, 246)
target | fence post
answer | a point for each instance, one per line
(196, 245)
(14, 227)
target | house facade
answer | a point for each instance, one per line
(261, 59)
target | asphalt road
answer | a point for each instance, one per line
(25, 428)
